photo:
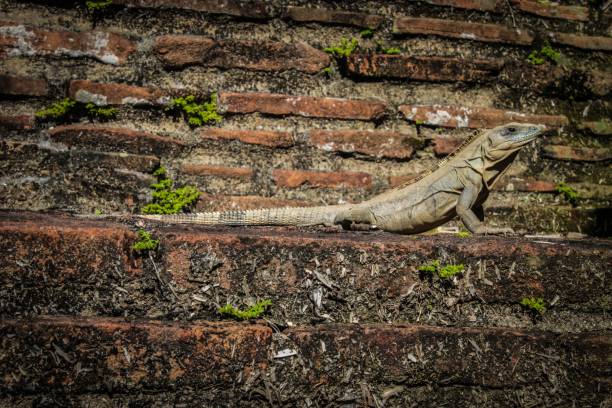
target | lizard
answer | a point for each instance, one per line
(456, 186)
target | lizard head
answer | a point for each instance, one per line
(507, 139)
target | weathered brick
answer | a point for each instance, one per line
(461, 29)
(246, 9)
(474, 117)
(571, 153)
(269, 138)
(377, 143)
(210, 202)
(481, 5)
(600, 127)
(178, 51)
(309, 106)
(114, 93)
(220, 171)
(487, 357)
(127, 355)
(102, 138)
(446, 145)
(321, 15)
(17, 121)
(321, 179)
(422, 68)
(20, 40)
(553, 10)
(584, 42)
(23, 86)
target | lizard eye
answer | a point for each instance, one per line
(511, 130)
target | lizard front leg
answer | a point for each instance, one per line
(356, 219)
(470, 220)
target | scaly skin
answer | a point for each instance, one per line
(456, 186)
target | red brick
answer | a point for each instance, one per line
(377, 143)
(422, 68)
(128, 355)
(178, 51)
(464, 117)
(17, 121)
(209, 202)
(320, 179)
(251, 9)
(269, 138)
(280, 104)
(461, 29)
(489, 357)
(571, 153)
(600, 127)
(220, 171)
(114, 93)
(17, 40)
(582, 41)
(93, 137)
(23, 86)
(553, 10)
(482, 5)
(321, 15)
(446, 145)
(527, 185)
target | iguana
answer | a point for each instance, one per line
(459, 184)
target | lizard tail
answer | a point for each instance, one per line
(298, 216)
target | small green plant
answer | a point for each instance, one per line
(327, 71)
(535, 304)
(464, 234)
(166, 198)
(94, 5)
(68, 109)
(444, 272)
(100, 112)
(536, 57)
(58, 110)
(568, 193)
(252, 312)
(382, 48)
(344, 49)
(145, 242)
(367, 33)
(197, 114)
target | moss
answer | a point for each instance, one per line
(449, 271)
(93, 5)
(197, 114)
(252, 312)
(535, 304)
(344, 49)
(327, 71)
(58, 110)
(100, 112)
(568, 193)
(464, 234)
(382, 48)
(367, 33)
(444, 272)
(536, 57)
(68, 110)
(145, 242)
(166, 198)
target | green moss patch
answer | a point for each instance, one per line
(568, 193)
(444, 272)
(69, 110)
(166, 198)
(145, 242)
(252, 312)
(545, 53)
(94, 5)
(197, 113)
(533, 303)
(344, 49)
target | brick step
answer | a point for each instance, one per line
(355, 277)
(88, 355)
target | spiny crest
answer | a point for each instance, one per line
(443, 161)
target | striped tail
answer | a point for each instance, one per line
(298, 216)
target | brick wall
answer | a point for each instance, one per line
(292, 133)
(87, 321)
